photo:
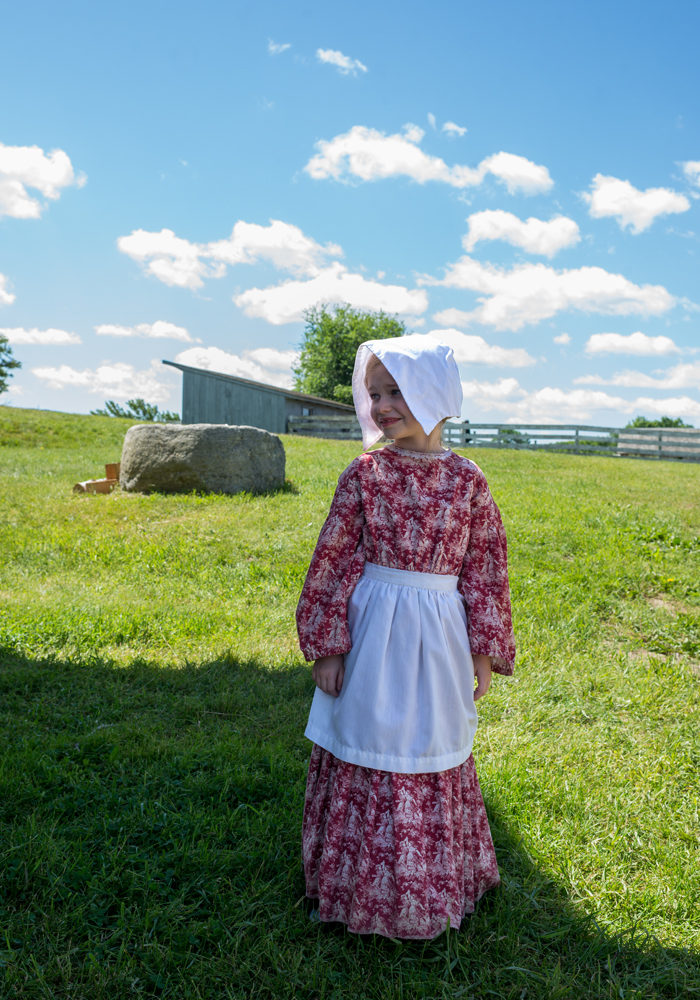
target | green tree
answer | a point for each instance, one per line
(331, 339)
(8, 362)
(138, 409)
(659, 422)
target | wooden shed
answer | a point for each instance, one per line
(214, 398)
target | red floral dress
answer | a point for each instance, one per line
(402, 855)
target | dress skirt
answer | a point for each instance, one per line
(401, 855)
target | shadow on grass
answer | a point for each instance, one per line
(149, 846)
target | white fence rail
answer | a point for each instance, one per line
(579, 439)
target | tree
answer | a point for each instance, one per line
(660, 422)
(331, 339)
(8, 362)
(138, 409)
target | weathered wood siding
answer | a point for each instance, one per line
(211, 399)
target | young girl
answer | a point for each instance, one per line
(405, 606)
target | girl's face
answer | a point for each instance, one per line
(389, 411)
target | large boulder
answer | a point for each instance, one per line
(211, 458)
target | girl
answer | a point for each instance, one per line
(405, 604)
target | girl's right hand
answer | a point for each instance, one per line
(328, 673)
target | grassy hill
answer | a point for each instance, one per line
(152, 762)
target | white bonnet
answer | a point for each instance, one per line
(425, 372)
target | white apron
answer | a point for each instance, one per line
(407, 701)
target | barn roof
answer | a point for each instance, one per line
(287, 393)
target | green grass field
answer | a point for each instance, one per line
(152, 758)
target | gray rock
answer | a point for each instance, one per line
(211, 458)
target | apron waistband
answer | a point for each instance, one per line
(409, 578)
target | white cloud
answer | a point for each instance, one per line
(492, 395)
(432, 120)
(18, 335)
(517, 173)
(452, 317)
(172, 260)
(691, 169)
(276, 48)
(368, 155)
(615, 198)
(344, 64)
(682, 376)
(670, 406)
(471, 349)
(160, 329)
(176, 261)
(23, 167)
(111, 380)
(284, 246)
(634, 343)
(552, 405)
(287, 302)
(6, 297)
(452, 129)
(264, 364)
(532, 235)
(530, 293)
(562, 338)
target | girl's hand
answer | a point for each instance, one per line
(482, 673)
(328, 673)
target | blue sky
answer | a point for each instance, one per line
(522, 181)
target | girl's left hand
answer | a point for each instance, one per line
(482, 673)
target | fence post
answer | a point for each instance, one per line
(576, 447)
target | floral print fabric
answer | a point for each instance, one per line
(428, 514)
(402, 855)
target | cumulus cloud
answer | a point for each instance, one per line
(159, 329)
(552, 405)
(671, 406)
(6, 296)
(562, 338)
(452, 129)
(492, 395)
(111, 380)
(691, 169)
(611, 197)
(529, 293)
(284, 246)
(634, 343)
(682, 376)
(29, 167)
(471, 349)
(532, 235)
(366, 154)
(177, 261)
(276, 48)
(344, 64)
(263, 364)
(286, 303)
(52, 337)
(168, 257)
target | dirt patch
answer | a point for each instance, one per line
(671, 605)
(645, 656)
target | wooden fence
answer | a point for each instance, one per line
(579, 439)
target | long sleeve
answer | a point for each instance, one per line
(336, 566)
(483, 583)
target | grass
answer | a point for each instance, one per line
(152, 762)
